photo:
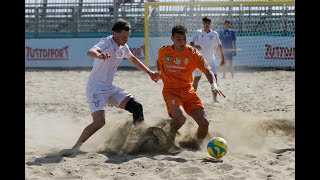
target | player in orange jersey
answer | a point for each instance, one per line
(176, 63)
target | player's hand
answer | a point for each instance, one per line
(234, 52)
(215, 89)
(155, 76)
(198, 47)
(104, 56)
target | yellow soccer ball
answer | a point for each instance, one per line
(217, 147)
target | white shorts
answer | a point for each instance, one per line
(98, 99)
(214, 69)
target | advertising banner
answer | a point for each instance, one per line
(255, 51)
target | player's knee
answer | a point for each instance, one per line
(179, 116)
(182, 119)
(136, 109)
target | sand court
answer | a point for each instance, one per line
(256, 118)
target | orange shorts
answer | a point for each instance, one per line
(186, 97)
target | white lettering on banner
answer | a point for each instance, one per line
(47, 54)
(279, 52)
(137, 52)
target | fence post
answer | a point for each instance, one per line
(75, 19)
(36, 24)
(116, 10)
(285, 19)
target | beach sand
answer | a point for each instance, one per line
(257, 119)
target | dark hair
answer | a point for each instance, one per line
(121, 25)
(179, 29)
(206, 19)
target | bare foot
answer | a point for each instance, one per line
(174, 149)
(190, 144)
(140, 125)
(215, 98)
(68, 152)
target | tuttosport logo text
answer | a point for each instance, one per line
(47, 53)
(278, 52)
(138, 52)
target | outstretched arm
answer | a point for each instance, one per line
(158, 66)
(212, 80)
(221, 55)
(96, 53)
(136, 62)
(195, 46)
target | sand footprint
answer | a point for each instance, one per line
(225, 167)
(190, 170)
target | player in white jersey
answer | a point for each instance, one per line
(100, 90)
(206, 41)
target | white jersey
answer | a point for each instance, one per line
(103, 71)
(208, 42)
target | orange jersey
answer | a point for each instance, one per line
(176, 67)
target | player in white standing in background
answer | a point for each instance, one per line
(100, 90)
(228, 41)
(206, 41)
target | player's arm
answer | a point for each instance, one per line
(158, 65)
(234, 44)
(95, 53)
(213, 81)
(210, 76)
(158, 60)
(161, 58)
(221, 54)
(206, 69)
(195, 46)
(136, 62)
(220, 49)
(194, 38)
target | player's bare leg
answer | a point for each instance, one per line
(231, 68)
(98, 122)
(173, 130)
(196, 80)
(200, 116)
(178, 119)
(224, 70)
(215, 95)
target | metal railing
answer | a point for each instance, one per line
(75, 17)
(80, 17)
